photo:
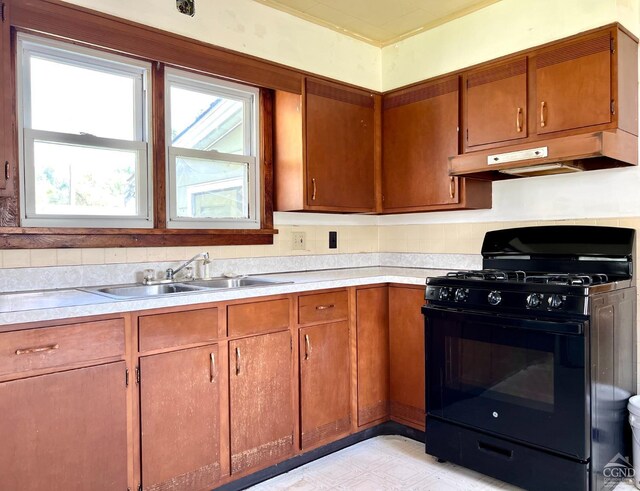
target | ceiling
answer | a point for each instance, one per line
(378, 22)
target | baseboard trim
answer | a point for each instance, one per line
(388, 428)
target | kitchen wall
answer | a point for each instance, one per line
(604, 197)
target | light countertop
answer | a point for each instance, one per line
(60, 304)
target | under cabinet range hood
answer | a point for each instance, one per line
(599, 150)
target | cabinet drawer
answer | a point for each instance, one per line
(160, 331)
(256, 317)
(50, 347)
(323, 307)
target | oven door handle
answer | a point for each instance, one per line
(513, 322)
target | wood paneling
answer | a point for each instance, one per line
(257, 317)
(260, 373)
(179, 419)
(573, 85)
(168, 330)
(323, 307)
(373, 354)
(65, 431)
(406, 352)
(324, 383)
(36, 349)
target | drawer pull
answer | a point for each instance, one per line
(212, 357)
(237, 361)
(39, 349)
(307, 347)
(495, 450)
(325, 307)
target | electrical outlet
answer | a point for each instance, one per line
(299, 241)
(333, 240)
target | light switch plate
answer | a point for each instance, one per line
(299, 241)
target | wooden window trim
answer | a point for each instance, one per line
(81, 25)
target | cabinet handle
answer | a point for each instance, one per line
(325, 307)
(39, 349)
(543, 123)
(212, 367)
(6, 168)
(307, 347)
(452, 187)
(518, 120)
(237, 361)
(315, 189)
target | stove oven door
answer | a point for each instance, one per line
(516, 377)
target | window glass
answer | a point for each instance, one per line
(213, 167)
(84, 148)
(74, 180)
(82, 100)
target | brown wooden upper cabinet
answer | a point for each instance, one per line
(496, 103)
(583, 84)
(573, 84)
(324, 148)
(419, 134)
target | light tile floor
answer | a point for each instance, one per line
(386, 463)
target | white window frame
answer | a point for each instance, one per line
(97, 60)
(249, 96)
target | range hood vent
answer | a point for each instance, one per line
(600, 150)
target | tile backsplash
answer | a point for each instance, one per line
(450, 238)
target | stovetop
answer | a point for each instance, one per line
(530, 293)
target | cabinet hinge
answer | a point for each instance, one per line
(140, 487)
(126, 377)
(612, 45)
(613, 107)
(467, 134)
(2, 11)
(137, 375)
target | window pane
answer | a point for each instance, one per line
(205, 121)
(73, 99)
(74, 180)
(211, 188)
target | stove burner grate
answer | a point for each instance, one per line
(571, 279)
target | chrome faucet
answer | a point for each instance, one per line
(170, 273)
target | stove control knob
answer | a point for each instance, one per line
(534, 300)
(462, 295)
(555, 301)
(444, 294)
(494, 298)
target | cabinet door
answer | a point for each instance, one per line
(65, 431)
(339, 147)
(180, 419)
(260, 374)
(406, 347)
(373, 354)
(420, 133)
(496, 103)
(573, 84)
(324, 383)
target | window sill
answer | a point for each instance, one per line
(53, 238)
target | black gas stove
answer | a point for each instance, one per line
(530, 360)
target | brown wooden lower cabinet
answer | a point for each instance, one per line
(260, 383)
(324, 383)
(65, 431)
(406, 352)
(373, 353)
(179, 410)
